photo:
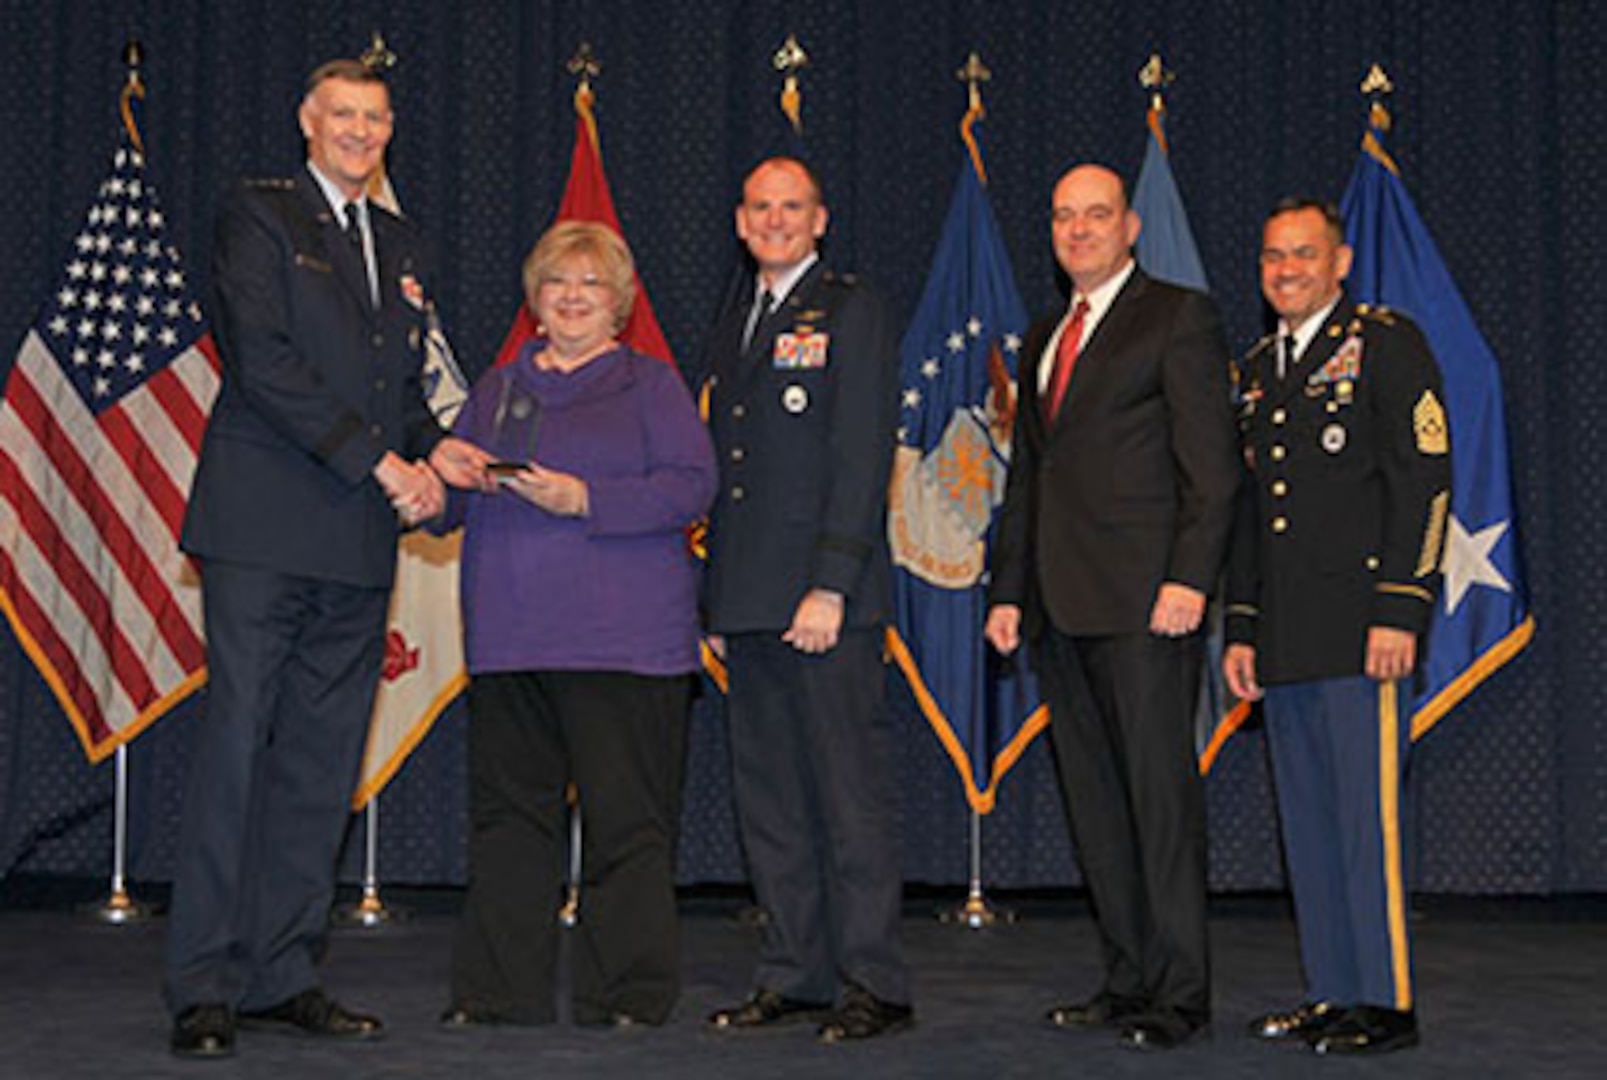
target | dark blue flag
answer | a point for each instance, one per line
(1482, 618)
(959, 364)
(1166, 251)
(1166, 243)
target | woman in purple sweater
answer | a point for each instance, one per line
(580, 622)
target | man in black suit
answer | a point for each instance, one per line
(1114, 525)
(1331, 587)
(315, 448)
(802, 402)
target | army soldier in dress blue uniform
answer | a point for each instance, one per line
(803, 398)
(1332, 581)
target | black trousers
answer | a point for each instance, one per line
(810, 751)
(294, 664)
(621, 740)
(1122, 723)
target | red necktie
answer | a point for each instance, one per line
(1065, 360)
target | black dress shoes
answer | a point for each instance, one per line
(203, 1031)
(467, 1017)
(598, 1019)
(1304, 1021)
(1158, 1031)
(1099, 1011)
(313, 1012)
(865, 1016)
(1366, 1029)
(766, 1008)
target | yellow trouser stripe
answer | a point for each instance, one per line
(1389, 806)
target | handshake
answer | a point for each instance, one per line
(417, 489)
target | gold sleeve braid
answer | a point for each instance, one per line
(1428, 560)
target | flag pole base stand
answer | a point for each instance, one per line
(369, 913)
(977, 914)
(119, 909)
(569, 913)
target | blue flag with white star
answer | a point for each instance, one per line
(958, 405)
(1482, 618)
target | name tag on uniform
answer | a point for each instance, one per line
(800, 351)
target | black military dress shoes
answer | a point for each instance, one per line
(865, 1016)
(766, 1008)
(1099, 1011)
(313, 1012)
(203, 1031)
(1366, 1029)
(1301, 1022)
(466, 1017)
(1159, 1031)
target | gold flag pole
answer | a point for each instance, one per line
(1376, 88)
(976, 913)
(585, 66)
(370, 912)
(1155, 77)
(789, 60)
(120, 908)
(974, 74)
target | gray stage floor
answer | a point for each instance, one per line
(1506, 989)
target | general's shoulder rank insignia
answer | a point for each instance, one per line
(1428, 424)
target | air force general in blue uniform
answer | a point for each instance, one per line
(1333, 574)
(311, 456)
(802, 402)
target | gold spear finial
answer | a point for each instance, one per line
(1155, 77)
(586, 65)
(1377, 82)
(790, 59)
(1376, 87)
(974, 74)
(377, 57)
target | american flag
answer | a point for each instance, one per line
(99, 429)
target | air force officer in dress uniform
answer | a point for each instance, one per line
(1331, 585)
(803, 401)
(1114, 527)
(314, 450)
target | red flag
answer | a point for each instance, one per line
(586, 198)
(100, 427)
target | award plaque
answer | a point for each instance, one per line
(514, 428)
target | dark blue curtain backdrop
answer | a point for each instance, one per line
(1497, 107)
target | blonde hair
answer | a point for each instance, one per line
(605, 248)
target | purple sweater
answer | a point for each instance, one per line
(612, 591)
